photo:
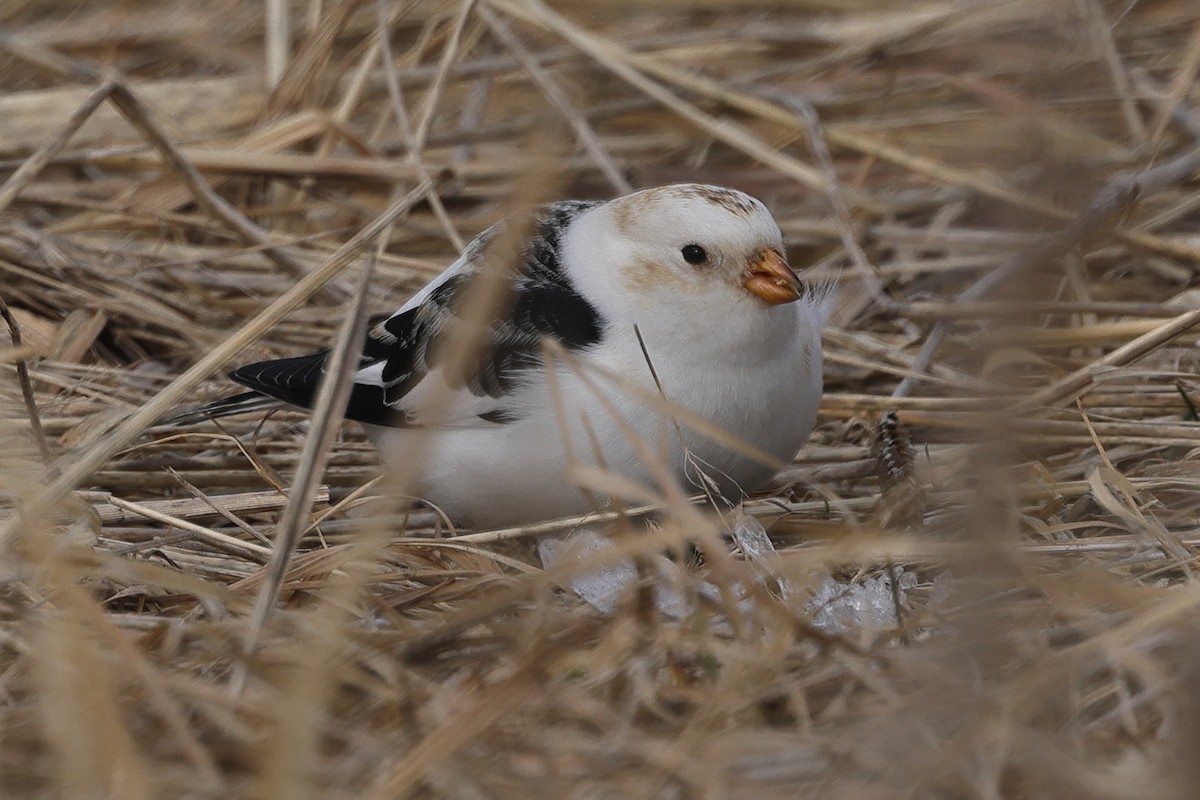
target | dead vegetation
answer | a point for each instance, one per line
(1003, 192)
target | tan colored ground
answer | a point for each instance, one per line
(1013, 181)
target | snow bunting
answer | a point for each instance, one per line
(681, 290)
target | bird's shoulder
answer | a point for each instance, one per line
(405, 366)
(405, 350)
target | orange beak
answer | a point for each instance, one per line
(769, 277)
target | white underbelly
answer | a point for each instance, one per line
(504, 474)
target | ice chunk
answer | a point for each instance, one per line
(601, 587)
(752, 539)
(840, 606)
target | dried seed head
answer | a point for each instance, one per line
(901, 497)
(893, 452)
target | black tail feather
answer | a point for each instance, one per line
(243, 403)
(282, 381)
(291, 381)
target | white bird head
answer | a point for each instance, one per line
(691, 238)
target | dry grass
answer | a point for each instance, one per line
(1005, 195)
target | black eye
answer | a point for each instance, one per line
(694, 254)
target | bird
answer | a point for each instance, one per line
(619, 312)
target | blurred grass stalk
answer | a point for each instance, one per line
(1004, 194)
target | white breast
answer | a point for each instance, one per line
(760, 380)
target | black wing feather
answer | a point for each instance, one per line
(544, 305)
(409, 343)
